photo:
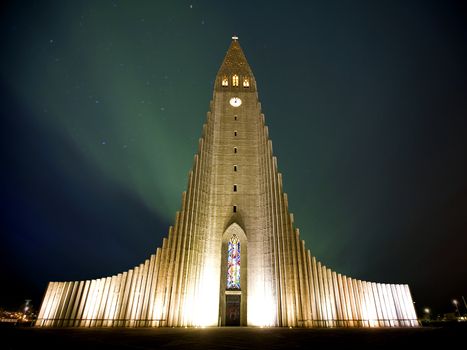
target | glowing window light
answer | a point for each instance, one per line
(233, 263)
(246, 83)
(235, 80)
(225, 81)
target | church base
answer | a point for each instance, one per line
(232, 320)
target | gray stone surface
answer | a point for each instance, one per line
(229, 338)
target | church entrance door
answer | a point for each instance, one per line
(232, 310)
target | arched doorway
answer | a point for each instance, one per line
(234, 263)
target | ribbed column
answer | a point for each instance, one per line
(76, 303)
(139, 319)
(342, 302)
(304, 284)
(152, 296)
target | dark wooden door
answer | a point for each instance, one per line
(232, 310)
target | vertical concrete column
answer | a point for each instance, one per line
(141, 293)
(343, 302)
(107, 316)
(143, 317)
(312, 287)
(358, 290)
(337, 301)
(104, 300)
(46, 304)
(70, 304)
(332, 298)
(79, 322)
(124, 292)
(74, 313)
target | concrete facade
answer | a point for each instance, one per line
(233, 188)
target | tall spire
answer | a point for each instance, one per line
(235, 63)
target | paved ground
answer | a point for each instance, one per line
(228, 338)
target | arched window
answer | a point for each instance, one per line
(246, 83)
(235, 80)
(225, 81)
(233, 263)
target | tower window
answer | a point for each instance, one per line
(235, 117)
(235, 188)
(235, 149)
(233, 263)
(235, 133)
(225, 81)
(235, 168)
(235, 80)
(234, 208)
(246, 83)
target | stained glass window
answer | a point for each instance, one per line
(233, 263)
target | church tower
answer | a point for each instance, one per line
(233, 256)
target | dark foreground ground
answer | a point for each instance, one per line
(230, 338)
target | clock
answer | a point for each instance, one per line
(235, 101)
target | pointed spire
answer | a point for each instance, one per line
(235, 63)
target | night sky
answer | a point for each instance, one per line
(102, 105)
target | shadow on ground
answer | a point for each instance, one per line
(227, 338)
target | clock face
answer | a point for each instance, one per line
(235, 101)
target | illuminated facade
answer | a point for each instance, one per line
(233, 256)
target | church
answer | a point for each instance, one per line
(233, 256)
